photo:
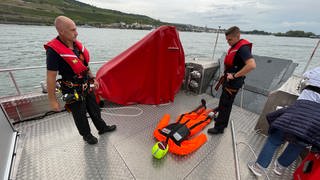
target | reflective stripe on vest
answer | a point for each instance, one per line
(68, 55)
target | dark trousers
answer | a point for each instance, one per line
(225, 107)
(79, 110)
(275, 139)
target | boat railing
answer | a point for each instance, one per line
(18, 83)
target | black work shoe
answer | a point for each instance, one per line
(215, 131)
(90, 139)
(108, 129)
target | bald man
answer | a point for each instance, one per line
(68, 57)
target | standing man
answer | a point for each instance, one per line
(237, 63)
(66, 55)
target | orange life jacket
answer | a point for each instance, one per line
(77, 64)
(228, 60)
(193, 121)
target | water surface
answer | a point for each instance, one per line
(22, 46)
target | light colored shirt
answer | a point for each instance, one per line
(313, 78)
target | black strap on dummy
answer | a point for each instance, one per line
(179, 131)
(176, 132)
(200, 122)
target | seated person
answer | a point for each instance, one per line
(298, 123)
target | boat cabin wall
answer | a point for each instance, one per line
(198, 75)
(284, 96)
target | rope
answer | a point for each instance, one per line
(120, 108)
(250, 148)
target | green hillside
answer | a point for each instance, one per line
(44, 12)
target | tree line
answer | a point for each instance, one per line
(290, 33)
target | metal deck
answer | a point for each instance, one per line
(51, 148)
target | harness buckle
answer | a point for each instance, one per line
(69, 84)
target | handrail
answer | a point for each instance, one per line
(38, 67)
(10, 70)
(311, 56)
(215, 44)
(18, 69)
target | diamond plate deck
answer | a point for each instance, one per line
(51, 148)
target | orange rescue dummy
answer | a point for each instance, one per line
(178, 135)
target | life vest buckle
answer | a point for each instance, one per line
(84, 86)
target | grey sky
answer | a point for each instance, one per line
(267, 15)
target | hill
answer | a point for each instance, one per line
(43, 12)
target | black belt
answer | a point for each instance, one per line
(313, 88)
(71, 84)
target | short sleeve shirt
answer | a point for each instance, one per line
(243, 54)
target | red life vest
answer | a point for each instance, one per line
(228, 60)
(68, 55)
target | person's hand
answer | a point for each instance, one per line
(55, 106)
(230, 76)
(95, 83)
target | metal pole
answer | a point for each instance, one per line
(215, 44)
(15, 83)
(241, 98)
(308, 63)
(236, 159)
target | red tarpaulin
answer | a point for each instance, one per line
(149, 72)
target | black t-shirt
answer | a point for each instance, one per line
(242, 55)
(56, 63)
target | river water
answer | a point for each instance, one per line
(22, 46)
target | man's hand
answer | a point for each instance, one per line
(55, 106)
(249, 66)
(230, 76)
(95, 83)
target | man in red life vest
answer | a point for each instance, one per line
(237, 63)
(66, 55)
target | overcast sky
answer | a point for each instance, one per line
(266, 15)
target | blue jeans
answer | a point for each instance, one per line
(274, 140)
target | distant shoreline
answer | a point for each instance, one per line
(182, 30)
